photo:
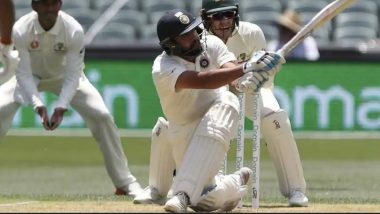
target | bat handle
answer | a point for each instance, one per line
(281, 52)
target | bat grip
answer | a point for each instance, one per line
(281, 52)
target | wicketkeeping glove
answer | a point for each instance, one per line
(269, 62)
(9, 60)
(251, 82)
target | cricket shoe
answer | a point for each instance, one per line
(177, 204)
(298, 199)
(131, 189)
(245, 173)
(149, 195)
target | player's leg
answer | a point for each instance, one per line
(282, 147)
(8, 105)
(160, 168)
(204, 154)
(90, 105)
(283, 150)
(8, 56)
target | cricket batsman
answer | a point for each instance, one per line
(201, 116)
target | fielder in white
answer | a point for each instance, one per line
(221, 18)
(8, 57)
(51, 49)
(202, 116)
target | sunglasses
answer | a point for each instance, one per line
(222, 15)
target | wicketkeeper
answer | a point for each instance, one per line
(221, 18)
(201, 116)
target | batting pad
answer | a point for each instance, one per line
(161, 158)
(282, 148)
(199, 166)
(207, 148)
(269, 103)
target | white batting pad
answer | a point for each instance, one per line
(201, 163)
(161, 159)
(207, 148)
(282, 148)
(269, 103)
(220, 122)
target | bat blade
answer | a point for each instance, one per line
(323, 16)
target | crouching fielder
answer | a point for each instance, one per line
(51, 49)
(202, 116)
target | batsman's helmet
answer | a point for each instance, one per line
(210, 7)
(174, 23)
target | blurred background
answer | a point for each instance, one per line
(333, 104)
(340, 92)
(116, 22)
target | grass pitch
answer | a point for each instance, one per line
(66, 174)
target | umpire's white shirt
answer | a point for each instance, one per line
(183, 106)
(49, 58)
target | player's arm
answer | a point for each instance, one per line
(7, 18)
(8, 57)
(73, 71)
(27, 82)
(209, 79)
(29, 87)
(257, 70)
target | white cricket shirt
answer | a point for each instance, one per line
(184, 106)
(49, 58)
(248, 39)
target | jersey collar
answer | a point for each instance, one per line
(54, 31)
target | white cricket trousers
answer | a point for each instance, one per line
(90, 105)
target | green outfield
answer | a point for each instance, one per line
(38, 171)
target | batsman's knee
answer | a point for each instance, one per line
(219, 123)
(275, 122)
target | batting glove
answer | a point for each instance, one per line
(279, 60)
(251, 82)
(264, 61)
(9, 59)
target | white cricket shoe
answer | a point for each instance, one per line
(298, 199)
(131, 189)
(177, 204)
(149, 195)
(245, 173)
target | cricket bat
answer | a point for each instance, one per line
(321, 18)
